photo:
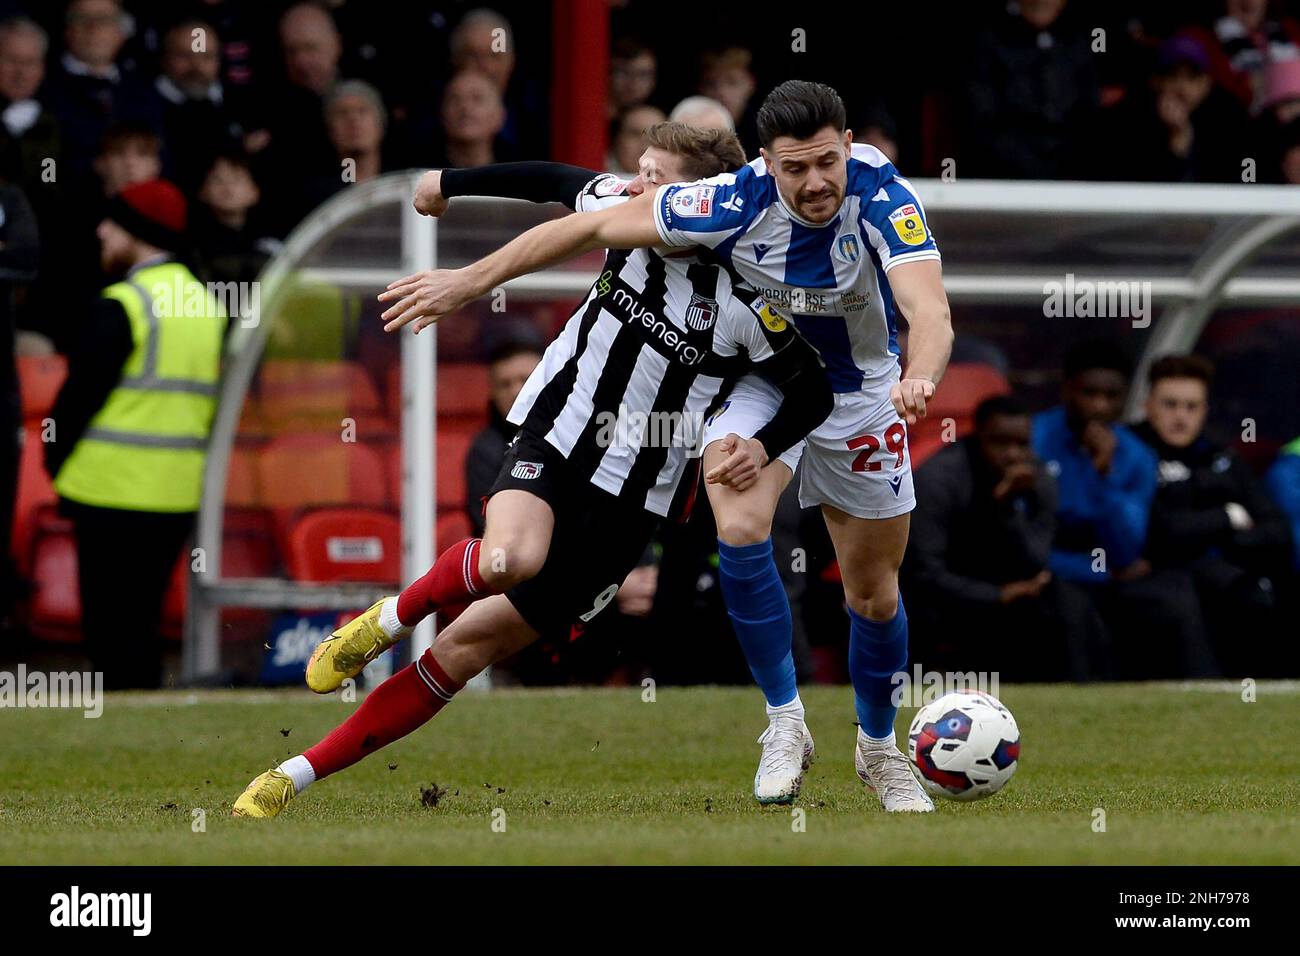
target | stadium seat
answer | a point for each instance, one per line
(35, 495)
(243, 487)
(462, 392)
(964, 386)
(452, 527)
(346, 544)
(55, 612)
(452, 446)
(305, 471)
(39, 379)
(297, 395)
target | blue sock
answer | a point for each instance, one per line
(760, 613)
(877, 651)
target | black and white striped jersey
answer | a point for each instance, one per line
(623, 391)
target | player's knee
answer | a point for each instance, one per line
(875, 599)
(737, 527)
(505, 562)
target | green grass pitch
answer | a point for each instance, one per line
(1184, 774)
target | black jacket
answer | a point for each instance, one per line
(964, 545)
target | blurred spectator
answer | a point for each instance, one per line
(231, 244)
(978, 583)
(472, 117)
(727, 77)
(30, 135)
(629, 140)
(1183, 128)
(128, 154)
(1283, 483)
(197, 117)
(1288, 154)
(19, 257)
(1106, 481)
(876, 127)
(633, 73)
(1211, 517)
(298, 137)
(702, 112)
(1032, 95)
(133, 420)
(484, 42)
(89, 90)
(1242, 45)
(1281, 99)
(509, 366)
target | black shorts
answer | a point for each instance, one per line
(598, 538)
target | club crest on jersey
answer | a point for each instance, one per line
(608, 186)
(692, 201)
(524, 470)
(701, 313)
(847, 248)
(907, 222)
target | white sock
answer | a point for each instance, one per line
(878, 743)
(388, 620)
(300, 771)
(793, 709)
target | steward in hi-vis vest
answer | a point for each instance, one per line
(130, 429)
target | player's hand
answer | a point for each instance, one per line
(425, 297)
(1019, 590)
(636, 597)
(429, 200)
(1017, 478)
(1238, 516)
(909, 397)
(1099, 441)
(745, 459)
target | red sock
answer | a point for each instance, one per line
(399, 705)
(453, 579)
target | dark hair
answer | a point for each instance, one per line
(118, 136)
(1007, 405)
(704, 151)
(629, 48)
(1182, 366)
(1096, 354)
(512, 347)
(799, 108)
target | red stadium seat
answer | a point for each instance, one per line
(307, 471)
(39, 379)
(243, 486)
(452, 446)
(452, 527)
(35, 495)
(56, 603)
(462, 392)
(964, 386)
(346, 544)
(297, 395)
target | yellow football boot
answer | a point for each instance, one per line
(266, 796)
(347, 651)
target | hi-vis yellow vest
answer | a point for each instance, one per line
(145, 448)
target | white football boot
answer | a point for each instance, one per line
(787, 753)
(886, 771)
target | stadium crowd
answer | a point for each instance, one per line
(1055, 545)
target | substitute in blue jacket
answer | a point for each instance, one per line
(1106, 482)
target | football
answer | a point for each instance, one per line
(964, 746)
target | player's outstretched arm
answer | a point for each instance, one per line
(919, 294)
(538, 182)
(425, 297)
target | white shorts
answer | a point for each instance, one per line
(857, 460)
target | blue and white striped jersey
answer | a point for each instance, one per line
(830, 278)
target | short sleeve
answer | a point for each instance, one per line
(703, 213)
(895, 223)
(755, 326)
(601, 192)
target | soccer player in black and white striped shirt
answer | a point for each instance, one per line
(610, 425)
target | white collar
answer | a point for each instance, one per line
(81, 68)
(172, 93)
